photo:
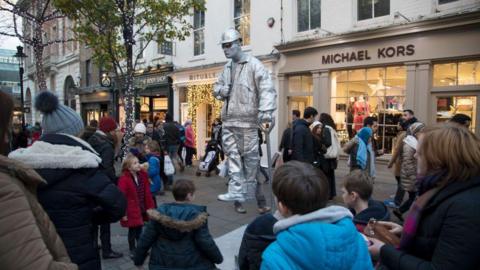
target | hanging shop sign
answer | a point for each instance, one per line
(362, 55)
(202, 76)
(145, 81)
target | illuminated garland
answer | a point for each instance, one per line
(201, 94)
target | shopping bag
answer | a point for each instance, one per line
(223, 168)
(333, 151)
(168, 167)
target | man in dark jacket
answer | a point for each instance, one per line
(78, 194)
(172, 140)
(258, 235)
(286, 141)
(152, 133)
(102, 142)
(178, 234)
(302, 137)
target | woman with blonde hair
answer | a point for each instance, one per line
(442, 229)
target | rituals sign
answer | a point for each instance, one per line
(362, 55)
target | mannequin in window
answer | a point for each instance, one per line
(361, 109)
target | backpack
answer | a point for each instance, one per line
(333, 151)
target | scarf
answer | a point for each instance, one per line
(140, 189)
(427, 188)
(363, 146)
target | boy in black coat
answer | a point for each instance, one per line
(178, 234)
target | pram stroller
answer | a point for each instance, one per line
(209, 162)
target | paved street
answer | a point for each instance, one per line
(223, 219)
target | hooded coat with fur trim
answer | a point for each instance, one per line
(29, 239)
(77, 194)
(179, 237)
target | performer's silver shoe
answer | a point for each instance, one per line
(230, 197)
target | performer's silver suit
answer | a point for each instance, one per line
(248, 93)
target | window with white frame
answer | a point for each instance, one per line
(165, 48)
(368, 9)
(308, 14)
(241, 19)
(198, 32)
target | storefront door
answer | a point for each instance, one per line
(448, 104)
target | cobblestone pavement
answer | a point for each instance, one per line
(223, 218)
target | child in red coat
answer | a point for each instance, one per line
(136, 187)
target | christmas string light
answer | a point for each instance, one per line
(201, 94)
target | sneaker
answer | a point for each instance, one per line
(390, 203)
(230, 197)
(240, 209)
(112, 255)
(264, 210)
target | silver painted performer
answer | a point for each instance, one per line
(249, 99)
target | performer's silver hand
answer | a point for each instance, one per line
(265, 117)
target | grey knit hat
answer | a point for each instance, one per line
(57, 118)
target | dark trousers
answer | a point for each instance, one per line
(400, 193)
(133, 236)
(104, 237)
(330, 174)
(406, 205)
(188, 157)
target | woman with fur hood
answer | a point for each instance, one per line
(408, 170)
(77, 193)
(29, 239)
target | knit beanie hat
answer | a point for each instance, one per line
(57, 118)
(107, 124)
(140, 128)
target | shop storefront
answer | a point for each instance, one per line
(154, 96)
(95, 104)
(431, 67)
(194, 100)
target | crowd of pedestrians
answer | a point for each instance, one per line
(60, 193)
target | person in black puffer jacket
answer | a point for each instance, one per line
(302, 137)
(103, 141)
(78, 194)
(258, 235)
(178, 235)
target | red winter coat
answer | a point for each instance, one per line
(126, 184)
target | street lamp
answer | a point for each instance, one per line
(106, 81)
(20, 56)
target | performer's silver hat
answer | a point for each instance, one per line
(230, 35)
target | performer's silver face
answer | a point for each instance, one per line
(232, 49)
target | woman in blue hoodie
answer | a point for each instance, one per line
(311, 235)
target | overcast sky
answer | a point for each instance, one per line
(9, 43)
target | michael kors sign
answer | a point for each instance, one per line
(362, 55)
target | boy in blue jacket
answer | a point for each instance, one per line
(311, 235)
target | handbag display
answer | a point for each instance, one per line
(381, 232)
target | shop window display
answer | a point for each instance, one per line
(299, 94)
(456, 73)
(448, 106)
(359, 93)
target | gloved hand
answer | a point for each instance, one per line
(265, 117)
